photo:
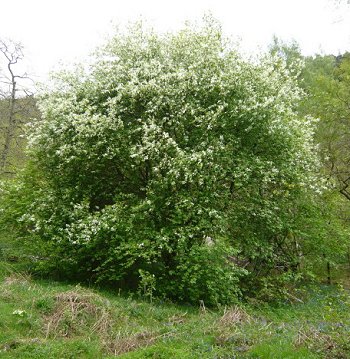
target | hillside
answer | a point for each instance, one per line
(47, 319)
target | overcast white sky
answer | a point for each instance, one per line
(68, 30)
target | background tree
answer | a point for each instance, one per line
(324, 80)
(327, 80)
(17, 105)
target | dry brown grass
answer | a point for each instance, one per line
(124, 343)
(17, 278)
(78, 311)
(233, 316)
(177, 319)
(313, 339)
(7, 295)
(227, 328)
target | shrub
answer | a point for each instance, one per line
(171, 156)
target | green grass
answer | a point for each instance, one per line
(46, 319)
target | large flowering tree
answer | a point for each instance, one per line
(172, 160)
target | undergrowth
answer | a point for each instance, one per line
(47, 319)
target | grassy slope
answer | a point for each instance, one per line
(44, 319)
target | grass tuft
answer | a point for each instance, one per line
(78, 311)
(234, 316)
(17, 278)
(126, 343)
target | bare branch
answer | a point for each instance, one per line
(15, 105)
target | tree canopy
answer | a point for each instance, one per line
(175, 163)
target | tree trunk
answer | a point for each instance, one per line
(11, 127)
